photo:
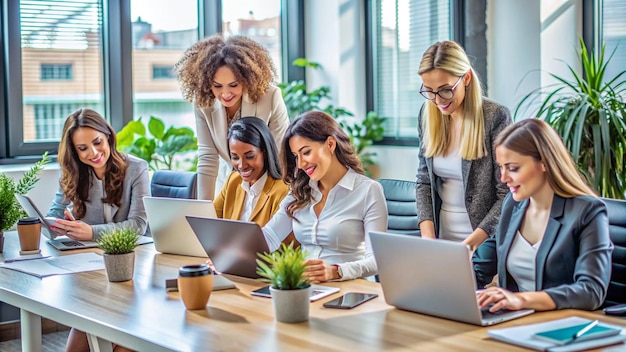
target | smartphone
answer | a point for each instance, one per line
(350, 300)
(262, 292)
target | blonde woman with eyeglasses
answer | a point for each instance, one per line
(458, 191)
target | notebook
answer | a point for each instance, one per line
(440, 281)
(232, 245)
(61, 243)
(170, 230)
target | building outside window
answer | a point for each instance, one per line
(57, 72)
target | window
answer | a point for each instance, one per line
(162, 30)
(259, 20)
(614, 35)
(59, 72)
(53, 33)
(403, 30)
(163, 72)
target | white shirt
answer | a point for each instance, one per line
(252, 196)
(355, 206)
(521, 263)
(454, 223)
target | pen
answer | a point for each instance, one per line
(582, 331)
(24, 259)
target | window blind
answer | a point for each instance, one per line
(614, 35)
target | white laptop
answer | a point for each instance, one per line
(232, 245)
(61, 243)
(433, 277)
(170, 230)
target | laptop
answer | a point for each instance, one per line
(170, 230)
(232, 245)
(61, 243)
(441, 281)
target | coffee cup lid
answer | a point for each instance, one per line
(28, 221)
(194, 270)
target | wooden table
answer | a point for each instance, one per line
(139, 314)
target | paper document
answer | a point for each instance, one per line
(66, 264)
(523, 335)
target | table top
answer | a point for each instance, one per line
(140, 314)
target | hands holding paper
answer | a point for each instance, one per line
(72, 228)
(505, 299)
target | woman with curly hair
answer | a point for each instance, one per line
(226, 79)
(331, 206)
(104, 188)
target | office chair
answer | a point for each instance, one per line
(400, 197)
(617, 231)
(174, 184)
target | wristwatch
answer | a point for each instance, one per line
(339, 272)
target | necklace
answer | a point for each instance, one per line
(235, 117)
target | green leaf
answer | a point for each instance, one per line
(156, 127)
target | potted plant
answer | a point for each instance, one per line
(162, 148)
(10, 209)
(589, 113)
(119, 256)
(290, 290)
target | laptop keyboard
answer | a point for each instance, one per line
(487, 314)
(72, 243)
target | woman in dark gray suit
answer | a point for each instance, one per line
(552, 243)
(458, 191)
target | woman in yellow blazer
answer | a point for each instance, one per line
(255, 189)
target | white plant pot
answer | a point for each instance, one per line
(120, 267)
(291, 306)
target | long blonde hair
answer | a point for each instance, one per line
(537, 139)
(450, 57)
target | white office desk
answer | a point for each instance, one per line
(139, 314)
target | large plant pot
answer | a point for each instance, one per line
(291, 306)
(120, 267)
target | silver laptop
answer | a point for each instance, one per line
(433, 277)
(170, 230)
(232, 245)
(61, 243)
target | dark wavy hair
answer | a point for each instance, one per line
(249, 61)
(252, 130)
(76, 177)
(316, 126)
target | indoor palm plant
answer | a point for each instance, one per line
(10, 209)
(290, 290)
(118, 245)
(589, 112)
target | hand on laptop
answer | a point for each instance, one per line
(500, 298)
(74, 229)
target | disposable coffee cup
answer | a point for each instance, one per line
(29, 232)
(195, 283)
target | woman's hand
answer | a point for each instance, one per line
(500, 298)
(74, 229)
(475, 239)
(318, 271)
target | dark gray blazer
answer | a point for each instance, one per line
(481, 178)
(131, 212)
(573, 263)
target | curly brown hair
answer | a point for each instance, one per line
(249, 61)
(76, 177)
(316, 126)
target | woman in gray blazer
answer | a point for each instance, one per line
(104, 187)
(552, 244)
(226, 79)
(458, 191)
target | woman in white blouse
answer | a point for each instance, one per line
(331, 206)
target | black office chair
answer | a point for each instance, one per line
(174, 184)
(617, 231)
(400, 197)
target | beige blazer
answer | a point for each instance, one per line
(212, 129)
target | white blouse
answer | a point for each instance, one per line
(521, 263)
(355, 206)
(252, 196)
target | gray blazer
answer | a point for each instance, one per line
(481, 178)
(131, 212)
(212, 129)
(573, 263)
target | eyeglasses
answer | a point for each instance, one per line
(446, 93)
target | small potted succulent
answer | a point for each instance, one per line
(119, 256)
(290, 290)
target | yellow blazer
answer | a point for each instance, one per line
(229, 203)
